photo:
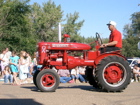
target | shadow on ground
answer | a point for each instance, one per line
(18, 102)
(82, 87)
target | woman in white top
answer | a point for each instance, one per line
(23, 66)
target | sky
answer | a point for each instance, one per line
(97, 13)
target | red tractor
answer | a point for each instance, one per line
(108, 71)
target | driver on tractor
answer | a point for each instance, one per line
(115, 39)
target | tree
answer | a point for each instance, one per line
(23, 25)
(72, 27)
(16, 33)
(45, 21)
(131, 37)
(4, 12)
(136, 23)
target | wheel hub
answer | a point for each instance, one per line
(113, 74)
(48, 80)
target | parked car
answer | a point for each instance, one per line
(132, 62)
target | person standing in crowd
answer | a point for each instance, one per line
(4, 61)
(29, 60)
(14, 67)
(82, 76)
(64, 75)
(23, 67)
(8, 53)
(33, 64)
(7, 75)
(115, 39)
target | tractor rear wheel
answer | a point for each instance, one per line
(47, 80)
(90, 76)
(113, 74)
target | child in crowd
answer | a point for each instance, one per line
(14, 66)
(7, 75)
(74, 75)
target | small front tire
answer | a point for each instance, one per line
(47, 80)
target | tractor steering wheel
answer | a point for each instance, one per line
(99, 39)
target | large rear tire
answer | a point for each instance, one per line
(90, 76)
(47, 80)
(113, 74)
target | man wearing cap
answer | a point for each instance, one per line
(115, 39)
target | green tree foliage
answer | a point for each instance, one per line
(45, 21)
(72, 27)
(131, 37)
(15, 33)
(136, 23)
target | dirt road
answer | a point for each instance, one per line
(68, 94)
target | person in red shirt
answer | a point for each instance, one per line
(115, 39)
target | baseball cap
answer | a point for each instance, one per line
(112, 23)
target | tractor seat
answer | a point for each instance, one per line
(115, 51)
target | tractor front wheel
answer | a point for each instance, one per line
(113, 74)
(47, 80)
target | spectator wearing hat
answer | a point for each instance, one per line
(115, 39)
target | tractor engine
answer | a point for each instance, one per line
(60, 56)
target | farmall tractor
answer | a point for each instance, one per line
(108, 71)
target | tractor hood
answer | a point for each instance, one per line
(64, 46)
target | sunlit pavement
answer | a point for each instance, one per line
(67, 94)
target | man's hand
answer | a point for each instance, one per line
(103, 45)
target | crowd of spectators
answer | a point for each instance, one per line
(18, 69)
(76, 75)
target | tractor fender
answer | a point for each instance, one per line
(102, 56)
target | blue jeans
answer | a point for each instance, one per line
(82, 78)
(8, 77)
(75, 77)
(65, 79)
